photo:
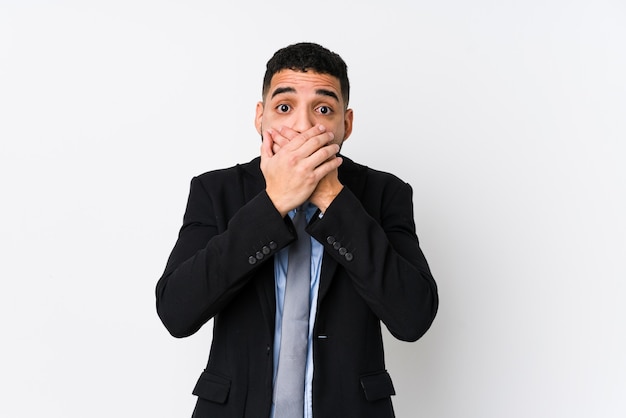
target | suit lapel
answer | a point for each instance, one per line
(252, 181)
(267, 294)
(352, 176)
(329, 265)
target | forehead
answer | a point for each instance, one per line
(304, 82)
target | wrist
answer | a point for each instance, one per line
(279, 205)
(324, 199)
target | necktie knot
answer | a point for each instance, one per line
(299, 219)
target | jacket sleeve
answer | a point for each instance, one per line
(210, 263)
(383, 258)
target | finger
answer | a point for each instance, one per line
(278, 140)
(267, 144)
(315, 143)
(327, 166)
(306, 143)
(304, 137)
(288, 133)
(322, 155)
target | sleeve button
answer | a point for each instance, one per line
(252, 260)
(265, 250)
(259, 255)
(342, 251)
(331, 240)
(349, 256)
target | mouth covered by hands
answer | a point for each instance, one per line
(300, 166)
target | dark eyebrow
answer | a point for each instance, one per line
(281, 90)
(328, 93)
(322, 92)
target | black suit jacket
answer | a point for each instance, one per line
(372, 270)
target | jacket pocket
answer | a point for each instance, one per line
(377, 386)
(212, 387)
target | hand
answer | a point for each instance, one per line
(285, 135)
(294, 170)
(327, 189)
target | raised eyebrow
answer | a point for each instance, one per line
(328, 93)
(281, 90)
(321, 92)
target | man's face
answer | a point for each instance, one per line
(301, 100)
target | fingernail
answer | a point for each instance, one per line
(332, 135)
(322, 128)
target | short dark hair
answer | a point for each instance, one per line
(306, 56)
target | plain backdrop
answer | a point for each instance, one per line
(506, 117)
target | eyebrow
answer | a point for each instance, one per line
(328, 93)
(282, 90)
(321, 92)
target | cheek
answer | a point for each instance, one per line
(268, 122)
(274, 120)
(339, 132)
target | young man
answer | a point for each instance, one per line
(363, 265)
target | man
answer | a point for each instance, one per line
(232, 260)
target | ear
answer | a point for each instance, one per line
(347, 123)
(258, 118)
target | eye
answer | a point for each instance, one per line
(283, 108)
(325, 110)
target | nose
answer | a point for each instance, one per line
(303, 120)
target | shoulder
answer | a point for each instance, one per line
(360, 176)
(233, 177)
(251, 169)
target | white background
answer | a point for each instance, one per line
(507, 118)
